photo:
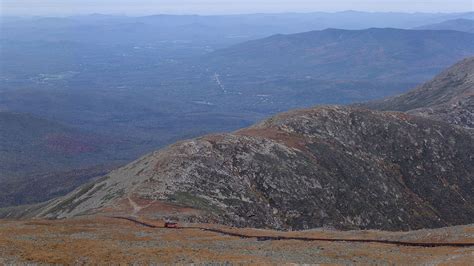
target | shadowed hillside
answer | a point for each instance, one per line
(37, 158)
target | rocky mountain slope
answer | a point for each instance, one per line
(341, 167)
(448, 97)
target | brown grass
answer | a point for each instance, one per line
(101, 240)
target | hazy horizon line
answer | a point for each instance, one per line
(229, 14)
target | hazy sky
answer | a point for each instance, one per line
(139, 7)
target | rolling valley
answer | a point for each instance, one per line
(333, 138)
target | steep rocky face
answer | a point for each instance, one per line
(448, 97)
(332, 166)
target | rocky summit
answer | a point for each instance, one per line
(330, 166)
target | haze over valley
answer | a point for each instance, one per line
(282, 121)
(145, 82)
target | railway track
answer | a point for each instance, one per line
(271, 237)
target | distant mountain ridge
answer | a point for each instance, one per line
(217, 29)
(460, 24)
(376, 53)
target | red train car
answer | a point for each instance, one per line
(171, 225)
